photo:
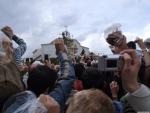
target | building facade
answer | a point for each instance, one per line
(48, 50)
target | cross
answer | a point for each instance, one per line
(66, 27)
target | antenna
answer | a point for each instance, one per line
(66, 28)
(59, 35)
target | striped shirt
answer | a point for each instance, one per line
(20, 50)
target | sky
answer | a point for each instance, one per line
(41, 21)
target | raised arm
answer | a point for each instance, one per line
(20, 50)
(21, 45)
(65, 82)
(138, 95)
(146, 55)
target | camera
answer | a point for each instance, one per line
(110, 63)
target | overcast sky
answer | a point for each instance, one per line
(41, 21)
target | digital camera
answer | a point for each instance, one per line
(110, 63)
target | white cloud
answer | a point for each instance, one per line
(96, 43)
(146, 32)
(39, 21)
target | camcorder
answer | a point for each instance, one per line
(110, 63)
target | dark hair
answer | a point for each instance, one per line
(79, 69)
(40, 79)
(92, 78)
(131, 45)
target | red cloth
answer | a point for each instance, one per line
(78, 85)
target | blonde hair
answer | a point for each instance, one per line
(90, 101)
(6, 44)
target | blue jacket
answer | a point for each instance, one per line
(65, 82)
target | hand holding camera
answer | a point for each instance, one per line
(130, 70)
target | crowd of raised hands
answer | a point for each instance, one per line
(73, 86)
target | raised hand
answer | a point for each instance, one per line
(114, 89)
(60, 46)
(8, 31)
(130, 70)
(140, 43)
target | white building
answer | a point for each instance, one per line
(45, 50)
(49, 50)
(80, 48)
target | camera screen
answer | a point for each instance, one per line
(111, 63)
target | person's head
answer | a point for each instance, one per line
(90, 101)
(131, 45)
(92, 78)
(6, 49)
(79, 69)
(34, 65)
(117, 39)
(41, 79)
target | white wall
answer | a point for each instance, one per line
(86, 50)
(49, 49)
(37, 54)
(80, 48)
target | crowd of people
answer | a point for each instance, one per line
(75, 85)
